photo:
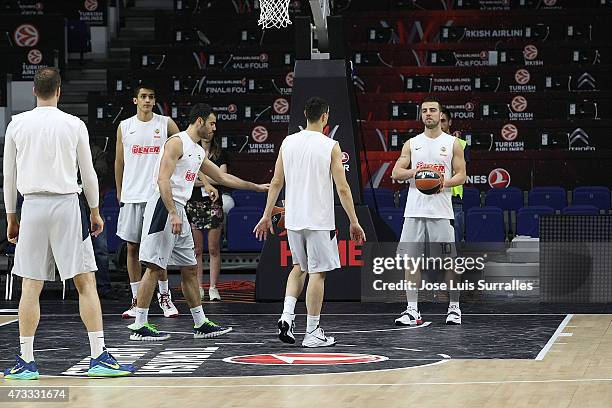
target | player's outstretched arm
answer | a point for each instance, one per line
(278, 181)
(344, 193)
(458, 163)
(214, 172)
(401, 170)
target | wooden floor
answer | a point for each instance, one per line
(575, 372)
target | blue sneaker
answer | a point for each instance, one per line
(209, 329)
(146, 332)
(106, 366)
(22, 371)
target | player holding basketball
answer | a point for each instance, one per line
(307, 163)
(43, 149)
(139, 140)
(166, 234)
(428, 217)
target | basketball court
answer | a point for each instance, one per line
(510, 352)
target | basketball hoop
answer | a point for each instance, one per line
(274, 13)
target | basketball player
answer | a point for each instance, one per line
(139, 140)
(428, 217)
(166, 233)
(446, 121)
(306, 164)
(42, 150)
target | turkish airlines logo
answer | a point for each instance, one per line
(35, 56)
(499, 178)
(469, 106)
(519, 104)
(39, 6)
(309, 359)
(587, 81)
(522, 77)
(345, 157)
(550, 3)
(263, 57)
(530, 52)
(289, 79)
(483, 55)
(26, 35)
(137, 150)
(281, 106)
(259, 134)
(509, 132)
(578, 136)
(91, 5)
(232, 108)
(190, 176)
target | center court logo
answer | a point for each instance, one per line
(499, 178)
(309, 359)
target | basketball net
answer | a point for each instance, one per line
(274, 13)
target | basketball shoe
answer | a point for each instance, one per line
(209, 329)
(146, 332)
(409, 317)
(453, 315)
(285, 331)
(166, 305)
(22, 370)
(105, 365)
(131, 312)
(317, 338)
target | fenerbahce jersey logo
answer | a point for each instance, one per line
(138, 150)
(190, 175)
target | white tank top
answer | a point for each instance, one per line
(438, 152)
(142, 142)
(309, 192)
(186, 170)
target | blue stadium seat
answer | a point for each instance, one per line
(581, 210)
(240, 224)
(244, 198)
(394, 218)
(593, 195)
(509, 198)
(383, 197)
(471, 198)
(528, 220)
(111, 216)
(554, 197)
(485, 225)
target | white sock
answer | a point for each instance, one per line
(198, 315)
(27, 348)
(289, 308)
(412, 296)
(451, 304)
(312, 322)
(134, 286)
(141, 316)
(163, 286)
(96, 343)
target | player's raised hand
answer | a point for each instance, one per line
(263, 226)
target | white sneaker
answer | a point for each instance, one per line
(285, 331)
(317, 338)
(409, 317)
(213, 294)
(165, 303)
(453, 315)
(131, 312)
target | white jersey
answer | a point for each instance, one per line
(309, 192)
(186, 170)
(43, 149)
(142, 142)
(437, 153)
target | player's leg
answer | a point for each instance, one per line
(441, 231)
(72, 249)
(411, 248)
(135, 275)
(184, 256)
(214, 253)
(323, 256)
(129, 229)
(198, 242)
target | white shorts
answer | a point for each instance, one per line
(418, 231)
(52, 232)
(159, 246)
(129, 224)
(314, 251)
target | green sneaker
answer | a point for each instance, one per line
(209, 329)
(146, 332)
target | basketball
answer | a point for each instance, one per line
(278, 219)
(428, 181)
